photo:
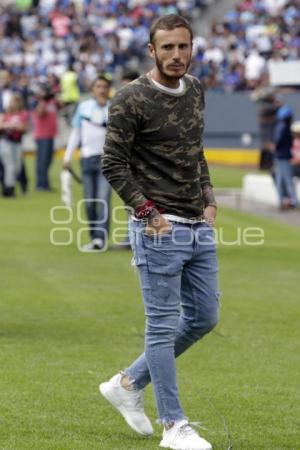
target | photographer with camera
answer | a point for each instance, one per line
(45, 127)
(88, 133)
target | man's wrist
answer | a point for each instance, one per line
(146, 210)
(214, 205)
(154, 214)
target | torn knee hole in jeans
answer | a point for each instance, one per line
(160, 275)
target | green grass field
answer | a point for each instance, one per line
(70, 320)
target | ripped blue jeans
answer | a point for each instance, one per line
(178, 275)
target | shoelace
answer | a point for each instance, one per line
(186, 430)
(139, 395)
(136, 401)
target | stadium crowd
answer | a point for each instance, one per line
(237, 53)
(66, 44)
(92, 36)
(46, 38)
(52, 50)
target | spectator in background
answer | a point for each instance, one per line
(70, 93)
(13, 124)
(6, 89)
(268, 105)
(234, 78)
(6, 92)
(45, 127)
(254, 68)
(283, 141)
(88, 133)
(54, 84)
(295, 161)
(61, 19)
(23, 86)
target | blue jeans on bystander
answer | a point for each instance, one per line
(97, 194)
(284, 181)
(45, 150)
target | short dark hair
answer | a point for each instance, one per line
(103, 77)
(130, 75)
(169, 22)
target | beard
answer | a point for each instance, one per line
(167, 76)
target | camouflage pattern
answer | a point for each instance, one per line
(154, 148)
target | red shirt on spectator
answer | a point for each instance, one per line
(45, 123)
(19, 119)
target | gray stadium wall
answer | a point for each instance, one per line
(230, 116)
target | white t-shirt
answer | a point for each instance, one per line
(89, 129)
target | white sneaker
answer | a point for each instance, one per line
(183, 437)
(96, 245)
(129, 403)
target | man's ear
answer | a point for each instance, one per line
(151, 50)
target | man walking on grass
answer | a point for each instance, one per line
(153, 158)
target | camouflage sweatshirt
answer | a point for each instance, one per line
(154, 150)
